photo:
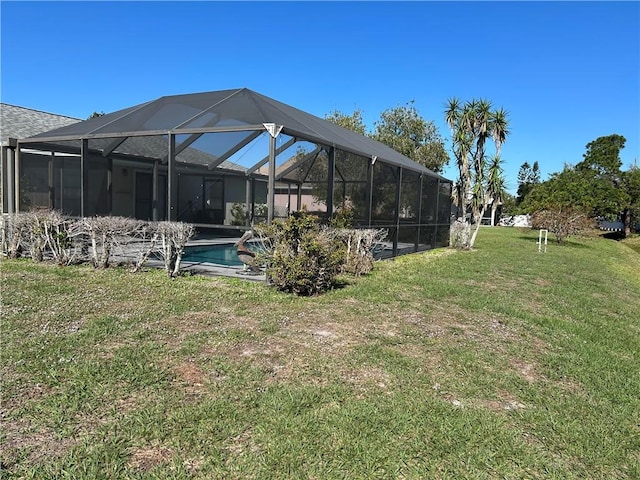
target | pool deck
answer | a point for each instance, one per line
(214, 270)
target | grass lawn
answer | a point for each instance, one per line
(497, 363)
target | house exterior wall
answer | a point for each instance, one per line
(123, 177)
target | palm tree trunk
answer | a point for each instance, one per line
(472, 242)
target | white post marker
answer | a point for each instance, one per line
(545, 232)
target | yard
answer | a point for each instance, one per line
(497, 363)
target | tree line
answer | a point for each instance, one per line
(595, 188)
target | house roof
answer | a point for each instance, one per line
(21, 122)
(235, 112)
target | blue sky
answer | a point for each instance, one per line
(567, 72)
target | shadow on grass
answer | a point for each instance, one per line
(632, 242)
(613, 235)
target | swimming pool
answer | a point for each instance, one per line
(221, 254)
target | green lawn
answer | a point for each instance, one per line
(497, 363)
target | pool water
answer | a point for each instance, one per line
(221, 254)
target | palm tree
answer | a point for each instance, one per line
(482, 130)
(482, 126)
(472, 124)
(493, 191)
(495, 184)
(462, 142)
(500, 129)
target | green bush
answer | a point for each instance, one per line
(343, 218)
(238, 214)
(303, 258)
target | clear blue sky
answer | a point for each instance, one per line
(567, 72)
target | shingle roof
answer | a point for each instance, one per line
(21, 122)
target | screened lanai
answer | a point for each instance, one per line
(228, 159)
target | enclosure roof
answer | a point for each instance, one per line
(225, 111)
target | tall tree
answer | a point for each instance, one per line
(535, 173)
(601, 169)
(462, 144)
(631, 185)
(472, 124)
(351, 122)
(403, 129)
(528, 177)
(496, 190)
(603, 156)
(596, 185)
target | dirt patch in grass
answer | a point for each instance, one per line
(25, 394)
(452, 321)
(30, 445)
(542, 282)
(127, 404)
(242, 444)
(255, 349)
(109, 350)
(189, 373)
(191, 378)
(279, 360)
(147, 457)
(332, 337)
(525, 370)
(368, 378)
(506, 402)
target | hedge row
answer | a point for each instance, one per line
(49, 235)
(301, 256)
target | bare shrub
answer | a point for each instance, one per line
(61, 235)
(34, 235)
(25, 235)
(172, 238)
(4, 234)
(14, 231)
(39, 234)
(562, 222)
(104, 234)
(143, 243)
(359, 244)
(50, 234)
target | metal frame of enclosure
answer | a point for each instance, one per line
(224, 160)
